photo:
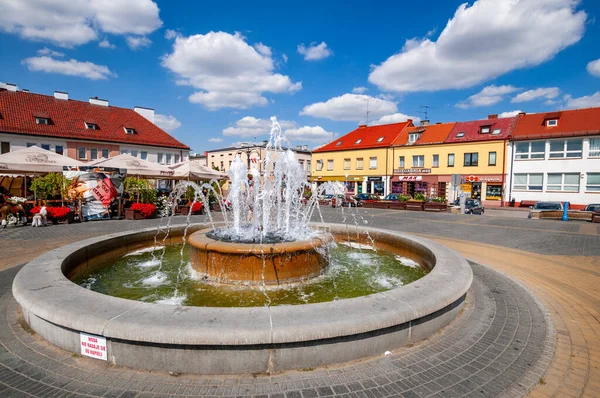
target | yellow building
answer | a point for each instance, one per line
(361, 158)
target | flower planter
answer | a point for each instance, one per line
(414, 206)
(381, 205)
(397, 206)
(184, 210)
(596, 217)
(435, 206)
(368, 205)
(133, 214)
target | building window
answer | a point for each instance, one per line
(530, 150)
(593, 182)
(492, 159)
(380, 139)
(413, 137)
(450, 160)
(212, 165)
(496, 131)
(595, 147)
(460, 134)
(30, 144)
(552, 122)
(566, 149)
(358, 141)
(330, 165)
(401, 162)
(319, 165)
(176, 159)
(5, 147)
(46, 146)
(529, 182)
(159, 158)
(338, 143)
(91, 126)
(59, 149)
(93, 154)
(484, 130)
(472, 159)
(418, 161)
(124, 151)
(168, 161)
(563, 182)
(346, 164)
(134, 154)
(373, 163)
(129, 130)
(308, 165)
(436, 161)
(105, 153)
(144, 155)
(222, 164)
(359, 163)
(42, 120)
(81, 153)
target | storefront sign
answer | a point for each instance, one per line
(93, 346)
(412, 171)
(474, 178)
(410, 178)
(374, 179)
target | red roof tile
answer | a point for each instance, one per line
(19, 110)
(471, 130)
(369, 137)
(571, 123)
(430, 134)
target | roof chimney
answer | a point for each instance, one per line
(244, 144)
(265, 142)
(522, 113)
(298, 147)
(494, 116)
(148, 113)
(305, 147)
(98, 101)
(424, 122)
(61, 95)
(361, 126)
(11, 87)
(25, 90)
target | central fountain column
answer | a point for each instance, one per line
(255, 263)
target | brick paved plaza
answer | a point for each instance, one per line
(530, 324)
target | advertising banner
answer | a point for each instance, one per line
(98, 188)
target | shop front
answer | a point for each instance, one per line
(487, 188)
(419, 181)
(353, 183)
(375, 185)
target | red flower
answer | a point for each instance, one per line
(53, 212)
(196, 207)
(145, 209)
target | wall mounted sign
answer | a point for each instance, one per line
(474, 178)
(412, 171)
(374, 179)
(410, 178)
(93, 346)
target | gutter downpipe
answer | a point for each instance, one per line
(504, 149)
(512, 171)
(387, 183)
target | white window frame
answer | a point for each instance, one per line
(347, 163)
(561, 187)
(358, 141)
(596, 152)
(551, 122)
(565, 152)
(91, 126)
(496, 131)
(329, 164)
(594, 187)
(418, 161)
(168, 158)
(84, 152)
(451, 155)
(380, 139)
(338, 143)
(401, 162)
(460, 134)
(527, 186)
(435, 161)
(490, 158)
(319, 164)
(529, 155)
(129, 130)
(373, 163)
(176, 159)
(159, 158)
(413, 137)
(42, 120)
(485, 130)
(360, 163)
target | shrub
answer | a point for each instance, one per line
(419, 197)
(403, 198)
(52, 184)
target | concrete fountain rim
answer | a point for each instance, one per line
(44, 291)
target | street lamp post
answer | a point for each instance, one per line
(248, 151)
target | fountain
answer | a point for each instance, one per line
(266, 246)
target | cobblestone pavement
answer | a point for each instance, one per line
(500, 344)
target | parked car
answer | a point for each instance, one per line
(367, 197)
(392, 197)
(472, 206)
(544, 206)
(592, 207)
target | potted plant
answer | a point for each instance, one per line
(400, 204)
(195, 208)
(416, 203)
(52, 184)
(436, 204)
(139, 211)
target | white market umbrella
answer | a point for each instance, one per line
(35, 160)
(192, 170)
(134, 166)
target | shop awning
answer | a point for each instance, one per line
(336, 178)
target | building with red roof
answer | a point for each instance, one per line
(555, 157)
(83, 130)
(359, 158)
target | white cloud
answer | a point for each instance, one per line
(250, 126)
(359, 90)
(593, 68)
(170, 34)
(309, 133)
(228, 71)
(395, 118)
(71, 67)
(547, 93)
(510, 113)
(135, 42)
(48, 52)
(264, 50)
(489, 95)
(106, 44)
(72, 23)
(166, 122)
(215, 139)
(483, 41)
(350, 107)
(315, 51)
(587, 101)
(284, 57)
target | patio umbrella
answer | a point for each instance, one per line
(192, 170)
(135, 166)
(35, 160)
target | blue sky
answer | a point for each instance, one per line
(215, 72)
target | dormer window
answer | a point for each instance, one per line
(460, 135)
(496, 131)
(484, 130)
(380, 139)
(42, 120)
(338, 143)
(413, 137)
(129, 130)
(358, 141)
(551, 122)
(91, 126)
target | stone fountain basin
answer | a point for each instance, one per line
(238, 340)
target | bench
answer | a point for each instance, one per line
(527, 203)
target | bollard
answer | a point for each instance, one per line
(565, 216)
